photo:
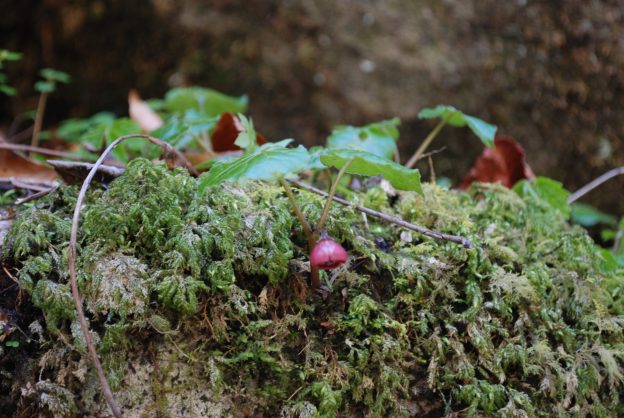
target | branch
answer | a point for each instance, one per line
(595, 183)
(172, 157)
(39, 150)
(389, 218)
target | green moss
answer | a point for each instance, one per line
(526, 323)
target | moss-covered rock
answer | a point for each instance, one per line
(201, 306)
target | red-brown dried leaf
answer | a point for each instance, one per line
(505, 164)
(227, 131)
(16, 167)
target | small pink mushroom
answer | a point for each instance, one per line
(328, 254)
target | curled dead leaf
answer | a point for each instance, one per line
(227, 130)
(505, 164)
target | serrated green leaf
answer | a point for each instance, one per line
(53, 75)
(367, 164)
(111, 129)
(72, 130)
(45, 86)
(548, 190)
(454, 117)
(377, 138)
(267, 162)
(207, 101)
(587, 215)
(247, 138)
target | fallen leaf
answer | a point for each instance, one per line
(227, 131)
(23, 169)
(505, 164)
(141, 113)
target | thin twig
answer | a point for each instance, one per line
(595, 183)
(39, 150)
(35, 196)
(332, 193)
(389, 218)
(421, 149)
(169, 152)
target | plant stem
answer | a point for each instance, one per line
(306, 226)
(332, 192)
(315, 277)
(41, 105)
(389, 218)
(595, 183)
(423, 147)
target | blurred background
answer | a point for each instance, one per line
(549, 73)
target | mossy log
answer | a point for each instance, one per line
(200, 306)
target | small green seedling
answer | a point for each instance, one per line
(449, 115)
(6, 55)
(50, 79)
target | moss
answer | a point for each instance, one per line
(527, 322)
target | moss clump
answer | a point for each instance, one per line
(528, 322)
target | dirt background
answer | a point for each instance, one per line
(550, 73)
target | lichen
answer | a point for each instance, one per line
(528, 322)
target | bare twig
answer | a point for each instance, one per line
(28, 185)
(389, 218)
(39, 150)
(170, 154)
(595, 183)
(35, 196)
(423, 147)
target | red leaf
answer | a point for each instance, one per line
(505, 164)
(227, 131)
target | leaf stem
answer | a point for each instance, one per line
(304, 223)
(332, 192)
(315, 277)
(423, 147)
(41, 105)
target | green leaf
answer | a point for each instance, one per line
(267, 162)
(367, 164)
(72, 130)
(548, 190)
(246, 139)
(111, 129)
(457, 118)
(377, 138)
(8, 90)
(206, 101)
(50, 74)
(587, 215)
(45, 86)
(6, 55)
